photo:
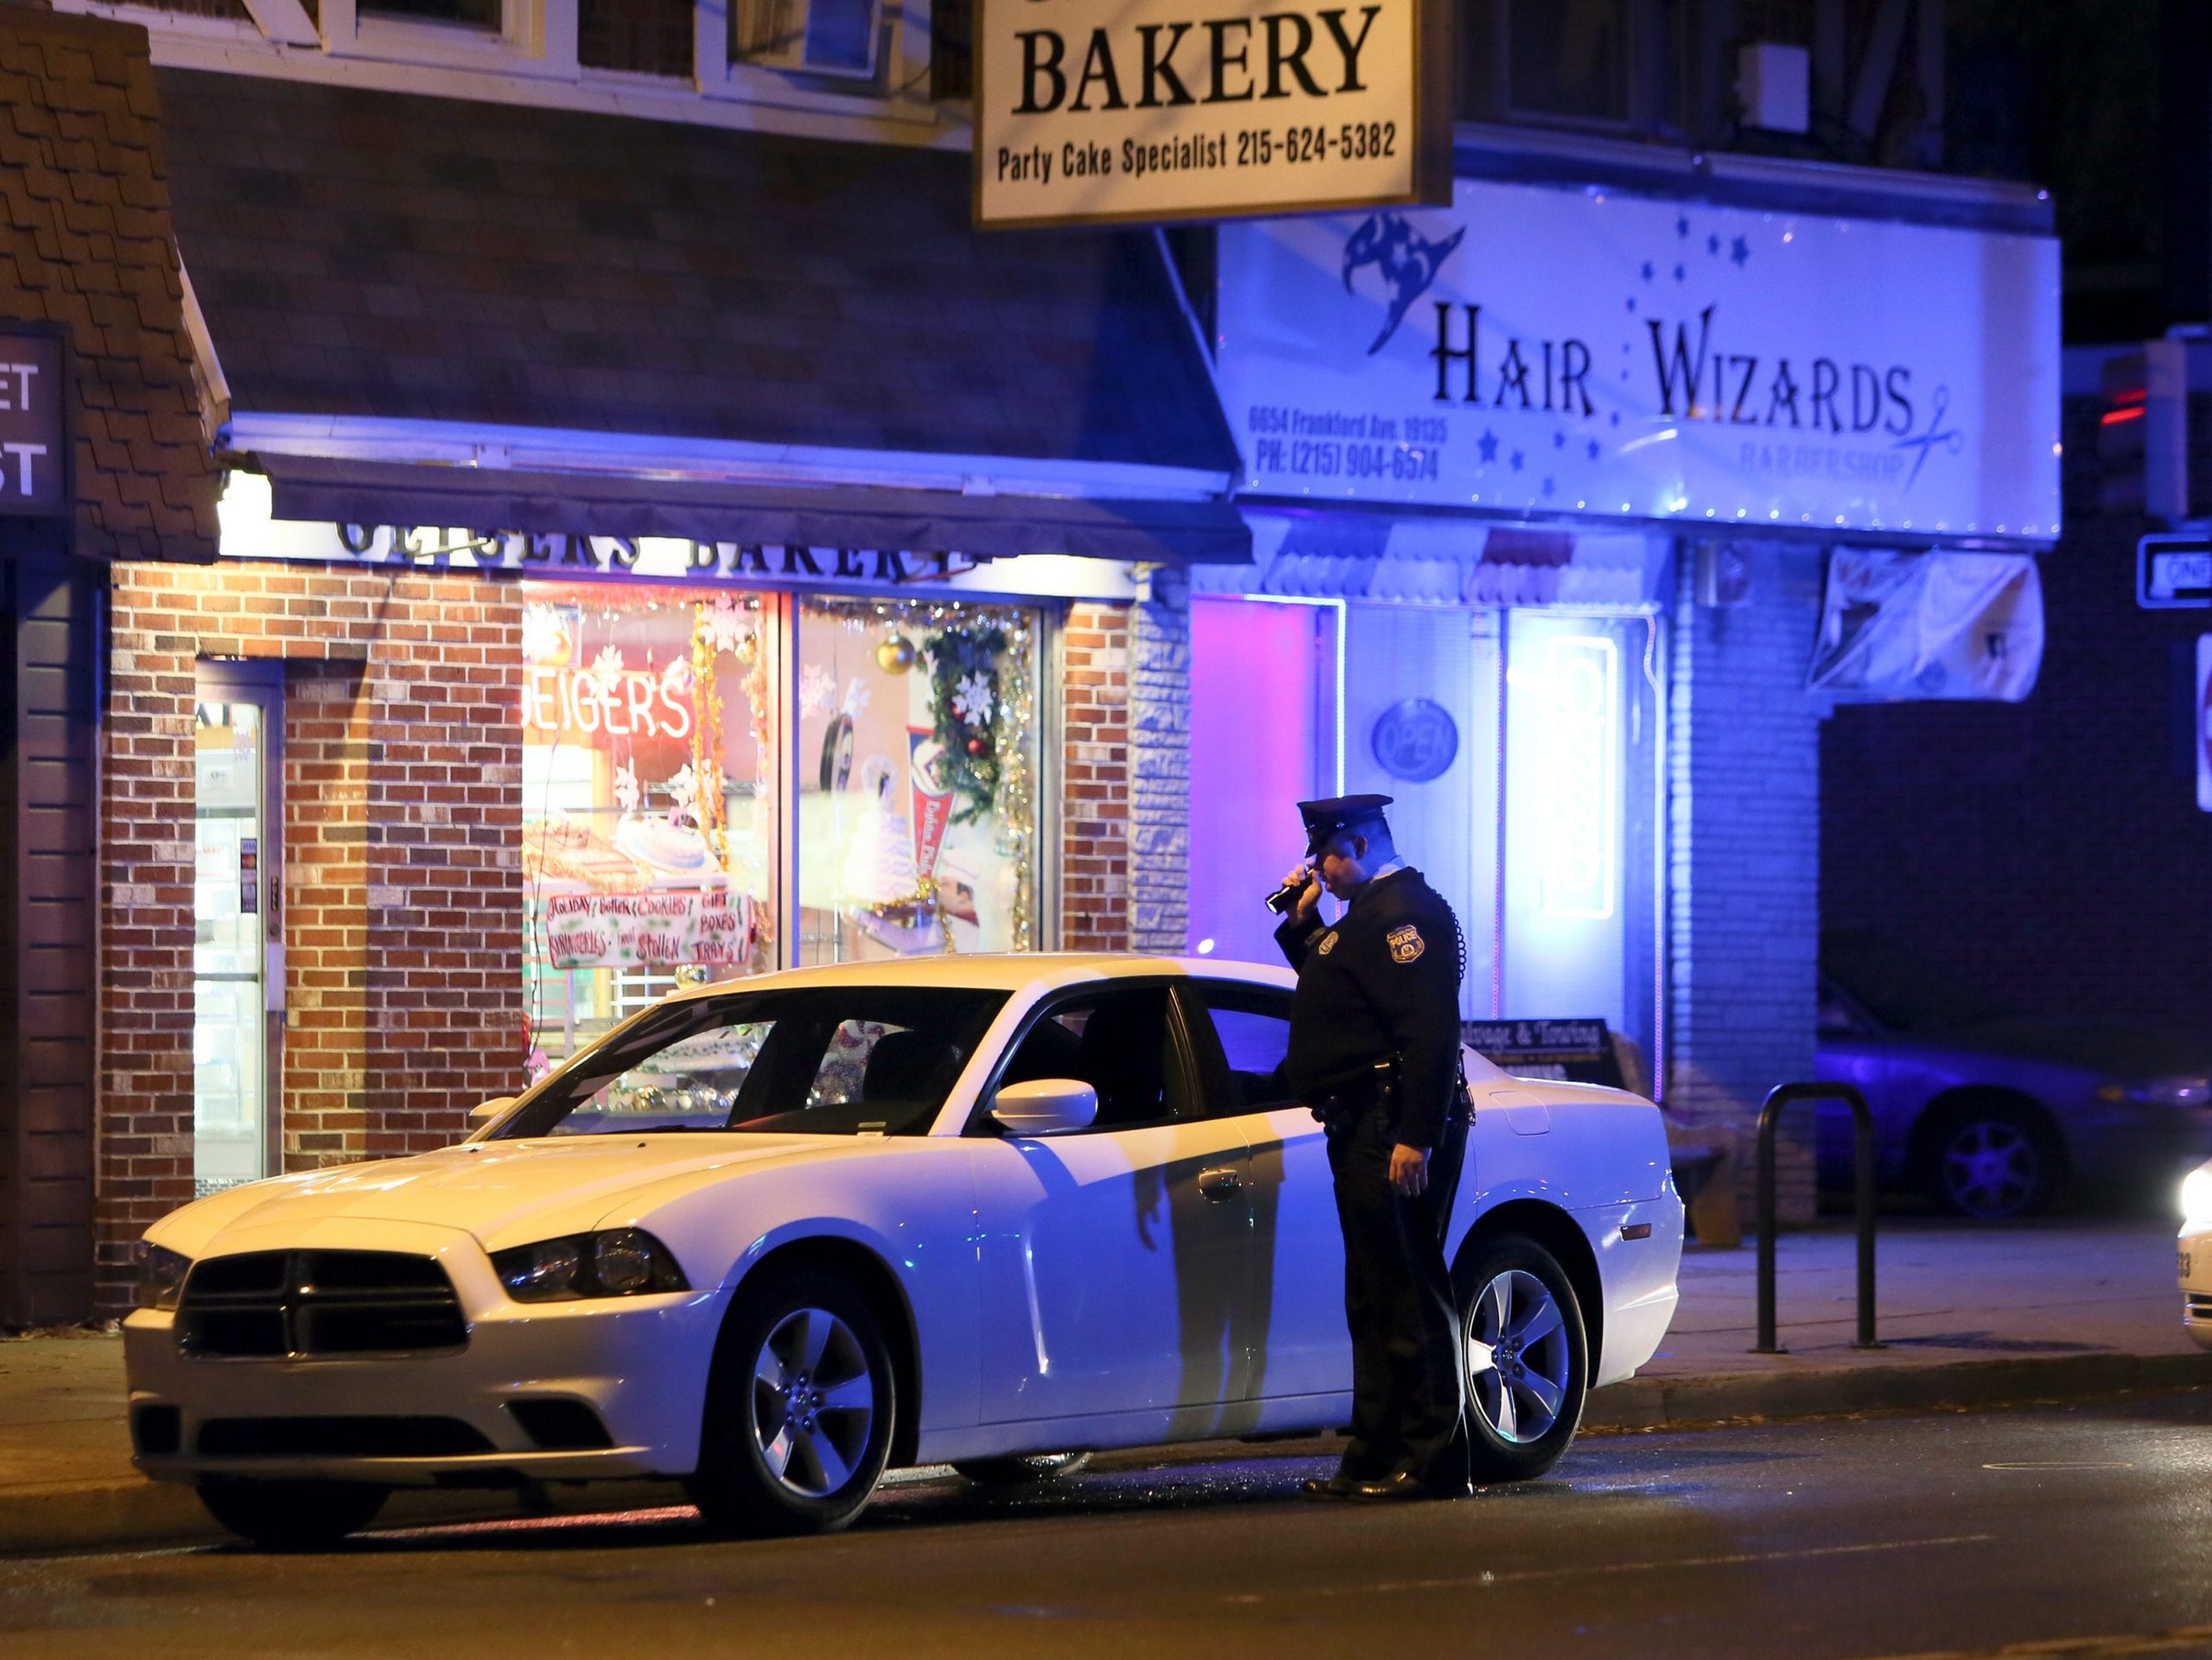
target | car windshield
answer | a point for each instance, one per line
(822, 1060)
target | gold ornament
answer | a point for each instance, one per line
(895, 655)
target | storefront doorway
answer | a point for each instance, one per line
(237, 955)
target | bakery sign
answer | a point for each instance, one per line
(1088, 110)
(1540, 351)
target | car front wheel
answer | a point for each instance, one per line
(1527, 1357)
(799, 1409)
(290, 1515)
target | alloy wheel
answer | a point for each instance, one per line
(1992, 1168)
(813, 1403)
(1518, 1358)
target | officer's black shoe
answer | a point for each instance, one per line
(1406, 1485)
(1338, 1486)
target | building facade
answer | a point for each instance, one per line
(574, 509)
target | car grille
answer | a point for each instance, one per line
(318, 1302)
(2199, 1305)
(362, 1438)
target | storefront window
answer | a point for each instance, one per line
(916, 777)
(648, 800)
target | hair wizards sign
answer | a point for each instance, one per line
(1551, 351)
(1199, 109)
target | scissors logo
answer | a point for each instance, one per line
(1950, 439)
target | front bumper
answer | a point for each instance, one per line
(2194, 1266)
(640, 1363)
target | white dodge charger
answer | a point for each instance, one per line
(775, 1237)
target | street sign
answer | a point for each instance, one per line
(2173, 572)
(34, 429)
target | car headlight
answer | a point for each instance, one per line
(2197, 1197)
(621, 1263)
(160, 1275)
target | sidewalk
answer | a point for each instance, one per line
(1969, 1316)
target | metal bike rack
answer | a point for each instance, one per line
(1862, 1166)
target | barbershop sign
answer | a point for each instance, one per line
(1108, 110)
(34, 433)
(1585, 353)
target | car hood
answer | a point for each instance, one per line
(503, 1193)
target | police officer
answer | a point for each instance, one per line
(1375, 1052)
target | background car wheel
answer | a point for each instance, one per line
(1527, 1355)
(1024, 1472)
(290, 1515)
(1992, 1161)
(799, 1409)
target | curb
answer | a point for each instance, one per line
(1705, 1402)
(130, 1511)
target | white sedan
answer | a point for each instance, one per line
(775, 1237)
(2195, 1254)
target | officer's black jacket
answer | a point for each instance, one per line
(1385, 981)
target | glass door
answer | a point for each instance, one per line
(237, 954)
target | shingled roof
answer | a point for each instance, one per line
(85, 239)
(358, 253)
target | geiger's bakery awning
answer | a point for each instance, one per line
(853, 520)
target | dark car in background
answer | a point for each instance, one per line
(1993, 1114)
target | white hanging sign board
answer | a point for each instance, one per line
(1549, 351)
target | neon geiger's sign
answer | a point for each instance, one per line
(1173, 109)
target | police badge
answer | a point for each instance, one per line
(1406, 944)
(1328, 942)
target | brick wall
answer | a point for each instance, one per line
(1744, 877)
(1159, 766)
(2051, 852)
(402, 881)
(1095, 770)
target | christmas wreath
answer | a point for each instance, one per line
(965, 704)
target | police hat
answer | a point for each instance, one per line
(1345, 812)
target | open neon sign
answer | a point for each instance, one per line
(1580, 776)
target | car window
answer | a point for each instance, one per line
(823, 1060)
(1250, 1026)
(1120, 1041)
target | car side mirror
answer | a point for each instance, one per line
(1046, 1107)
(495, 1109)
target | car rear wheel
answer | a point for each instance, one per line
(799, 1409)
(290, 1515)
(1992, 1163)
(1027, 1471)
(1526, 1353)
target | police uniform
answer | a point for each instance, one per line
(1381, 986)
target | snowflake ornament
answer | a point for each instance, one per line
(606, 669)
(676, 678)
(545, 638)
(685, 789)
(817, 686)
(625, 787)
(726, 624)
(971, 699)
(856, 697)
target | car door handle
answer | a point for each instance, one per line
(1217, 1185)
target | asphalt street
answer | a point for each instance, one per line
(2073, 1530)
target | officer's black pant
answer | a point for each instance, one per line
(1405, 1378)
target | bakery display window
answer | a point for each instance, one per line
(649, 799)
(916, 767)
